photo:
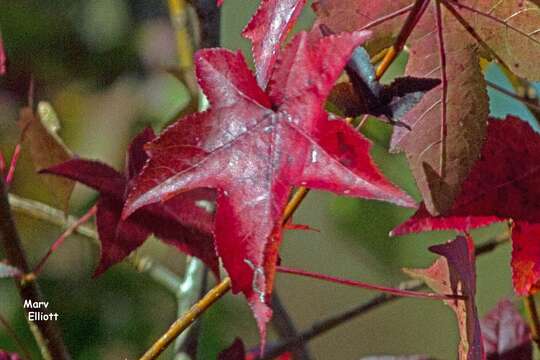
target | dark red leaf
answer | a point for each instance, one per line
(183, 221)
(253, 147)
(506, 335)
(267, 30)
(454, 273)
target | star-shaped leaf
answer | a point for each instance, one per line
(182, 222)
(254, 146)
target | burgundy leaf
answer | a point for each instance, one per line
(454, 273)
(253, 147)
(506, 335)
(267, 30)
(183, 221)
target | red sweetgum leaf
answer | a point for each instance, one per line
(253, 147)
(180, 222)
(454, 272)
(449, 123)
(267, 30)
(8, 271)
(46, 149)
(506, 335)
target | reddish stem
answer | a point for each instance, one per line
(363, 285)
(13, 164)
(83, 219)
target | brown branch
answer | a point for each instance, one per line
(46, 333)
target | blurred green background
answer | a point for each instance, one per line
(102, 64)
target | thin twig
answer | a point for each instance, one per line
(534, 320)
(44, 212)
(325, 325)
(46, 333)
(187, 319)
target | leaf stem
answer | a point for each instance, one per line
(46, 333)
(187, 319)
(367, 286)
(534, 320)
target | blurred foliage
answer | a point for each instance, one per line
(103, 64)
